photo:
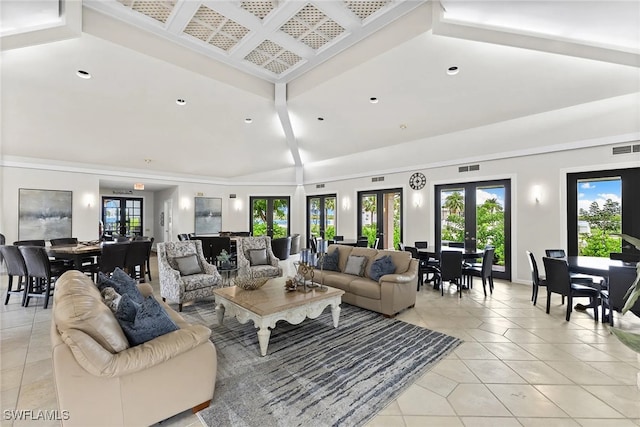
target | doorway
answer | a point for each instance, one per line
(476, 215)
(122, 216)
(270, 216)
(321, 216)
(380, 217)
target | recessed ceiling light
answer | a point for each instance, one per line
(373, 100)
(320, 119)
(452, 71)
(248, 120)
(180, 101)
(147, 161)
(83, 74)
(403, 126)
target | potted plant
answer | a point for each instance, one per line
(224, 259)
(631, 339)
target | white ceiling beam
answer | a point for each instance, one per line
(285, 120)
(181, 15)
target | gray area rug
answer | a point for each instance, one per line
(313, 374)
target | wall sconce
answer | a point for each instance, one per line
(417, 199)
(185, 203)
(536, 193)
(237, 205)
(89, 200)
(346, 203)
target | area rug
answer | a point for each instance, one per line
(313, 374)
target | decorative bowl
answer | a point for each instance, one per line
(249, 283)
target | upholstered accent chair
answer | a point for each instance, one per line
(183, 278)
(256, 258)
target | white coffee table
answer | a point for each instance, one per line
(271, 303)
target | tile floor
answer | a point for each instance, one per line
(518, 366)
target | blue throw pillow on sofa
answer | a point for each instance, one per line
(150, 321)
(330, 261)
(122, 283)
(382, 266)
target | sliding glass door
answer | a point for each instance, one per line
(270, 216)
(321, 216)
(476, 215)
(380, 217)
(601, 204)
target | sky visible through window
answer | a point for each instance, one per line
(599, 191)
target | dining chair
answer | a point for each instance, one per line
(629, 257)
(620, 279)
(312, 245)
(183, 237)
(148, 264)
(559, 282)
(29, 243)
(576, 277)
(421, 244)
(422, 265)
(401, 246)
(456, 244)
(41, 274)
(64, 241)
(536, 280)
(484, 271)
(135, 261)
(451, 270)
(376, 243)
(362, 242)
(112, 255)
(15, 268)
(338, 238)
(555, 253)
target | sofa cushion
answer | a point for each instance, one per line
(150, 321)
(355, 265)
(78, 306)
(367, 288)
(380, 267)
(122, 283)
(336, 280)
(330, 261)
(258, 257)
(188, 265)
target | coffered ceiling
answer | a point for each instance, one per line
(272, 87)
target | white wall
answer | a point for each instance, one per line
(535, 226)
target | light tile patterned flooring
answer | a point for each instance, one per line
(518, 366)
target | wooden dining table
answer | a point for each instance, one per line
(433, 252)
(75, 253)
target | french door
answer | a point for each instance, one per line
(122, 216)
(599, 205)
(475, 215)
(270, 216)
(380, 217)
(321, 216)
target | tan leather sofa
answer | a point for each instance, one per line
(101, 381)
(389, 295)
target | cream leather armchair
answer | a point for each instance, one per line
(128, 386)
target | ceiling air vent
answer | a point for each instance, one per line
(469, 168)
(377, 179)
(625, 149)
(232, 196)
(319, 185)
(636, 148)
(122, 191)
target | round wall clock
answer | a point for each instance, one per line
(417, 181)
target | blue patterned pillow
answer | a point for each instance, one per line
(122, 283)
(150, 321)
(330, 261)
(382, 266)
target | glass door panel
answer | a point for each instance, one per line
(321, 216)
(122, 216)
(380, 217)
(475, 215)
(270, 216)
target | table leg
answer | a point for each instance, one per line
(263, 338)
(220, 313)
(335, 312)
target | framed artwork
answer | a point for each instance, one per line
(44, 214)
(208, 211)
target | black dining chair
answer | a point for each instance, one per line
(64, 241)
(338, 238)
(135, 261)
(362, 242)
(451, 270)
(183, 236)
(421, 244)
(112, 255)
(484, 271)
(16, 268)
(422, 265)
(559, 282)
(456, 244)
(620, 279)
(148, 262)
(586, 279)
(628, 257)
(536, 280)
(41, 274)
(555, 253)
(313, 245)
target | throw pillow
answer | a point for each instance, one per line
(355, 265)
(330, 261)
(122, 283)
(122, 306)
(188, 265)
(382, 266)
(150, 321)
(258, 257)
